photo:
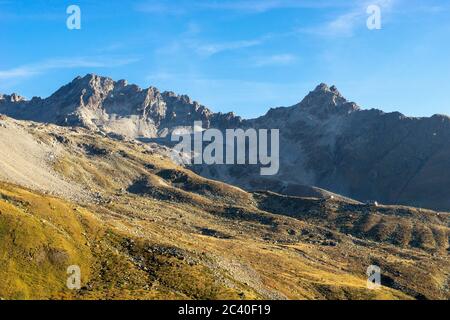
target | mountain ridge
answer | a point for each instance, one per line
(325, 140)
(95, 97)
(14, 97)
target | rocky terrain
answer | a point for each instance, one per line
(101, 104)
(326, 142)
(141, 227)
(83, 182)
(330, 143)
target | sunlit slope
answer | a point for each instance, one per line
(41, 236)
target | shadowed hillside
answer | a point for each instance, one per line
(141, 227)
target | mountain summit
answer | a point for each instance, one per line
(324, 100)
(99, 103)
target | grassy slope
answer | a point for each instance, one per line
(154, 230)
(41, 236)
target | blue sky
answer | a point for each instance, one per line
(243, 55)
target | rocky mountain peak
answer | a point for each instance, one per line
(102, 103)
(325, 100)
(13, 98)
(324, 91)
(323, 87)
(83, 88)
(122, 83)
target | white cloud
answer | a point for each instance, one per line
(193, 44)
(160, 7)
(260, 6)
(168, 7)
(247, 6)
(30, 70)
(214, 48)
(275, 60)
(346, 23)
(20, 72)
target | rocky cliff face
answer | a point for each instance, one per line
(99, 103)
(331, 143)
(325, 140)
